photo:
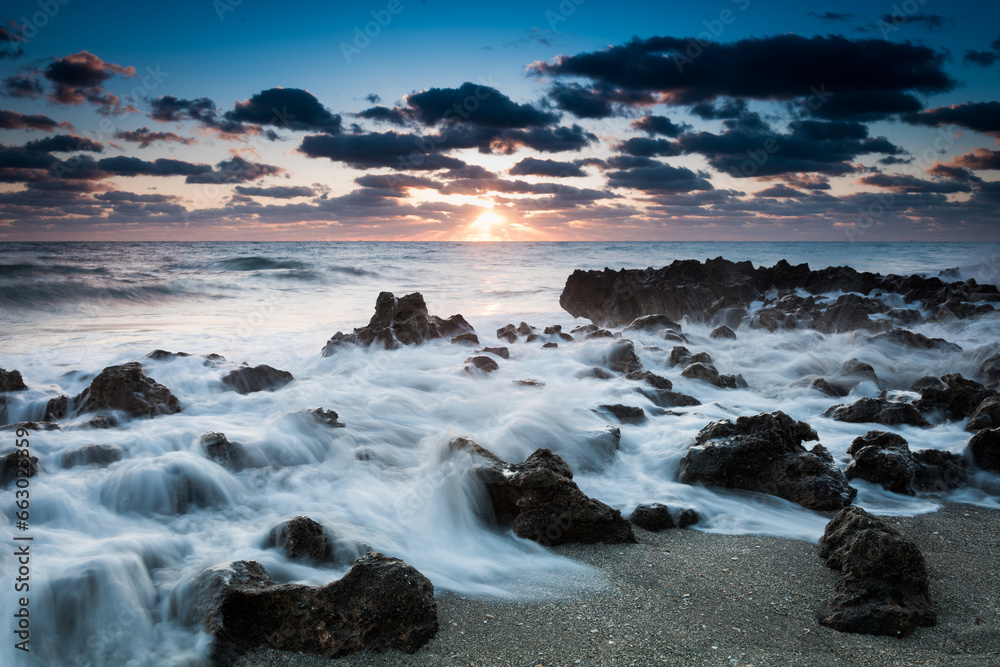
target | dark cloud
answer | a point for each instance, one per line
(145, 137)
(475, 105)
(119, 196)
(779, 191)
(953, 172)
(234, 170)
(10, 44)
(278, 192)
(979, 116)
(892, 159)
(289, 108)
(79, 77)
(912, 184)
(202, 110)
(373, 150)
(981, 159)
(133, 166)
(720, 109)
(530, 166)
(59, 185)
(660, 178)
(595, 101)
(832, 17)
(18, 157)
(932, 22)
(12, 120)
(654, 125)
(22, 85)
(382, 114)
(645, 147)
(980, 58)
(63, 143)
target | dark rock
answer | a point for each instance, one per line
(848, 313)
(990, 370)
(905, 315)
(380, 604)
(247, 380)
(214, 360)
(467, 338)
(596, 372)
(986, 415)
(229, 455)
(938, 471)
(669, 399)
(124, 388)
(958, 399)
(584, 329)
(32, 426)
(554, 329)
(732, 381)
(656, 517)
(651, 378)
(541, 502)
(56, 408)
(701, 358)
(525, 329)
(600, 333)
(603, 443)
(328, 417)
(527, 383)
(882, 458)
(890, 413)
(16, 464)
(483, 364)
(984, 449)
(859, 369)
(915, 340)
(621, 357)
(723, 332)
(163, 355)
(11, 381)
(403, 321)
(653, 323)
(928, 382)
(764, 453)
(300, 538)
(102, 421)
(501, 352)
(531, 338)
(883, 589)
(550, 345)
(507, 333)
(626, 414)
(679, 356)
(823, 385)
(90, 455)
(700, 371)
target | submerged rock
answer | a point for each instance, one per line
(621, 357)
(883, 588)
(984, 449)
(856, 368)
(327, 417)
(11, 381)
(656, 517)
(229, 455)
(885, 458)
(957, 400)
(380, 604)
(825, 386)
(125, 388)
(626, 414)
(92, 454)
(163, 355)
(651, 378)
(18, 463)
(669, 399)
(986, 415)
(723, 333)
(917, 341)
(879, 411)
(990, 370)
(299, 538)
(540, 501)
(247, 379)
(482, 363)
(764, 453)
(467, 338)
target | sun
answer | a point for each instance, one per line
(486, 226)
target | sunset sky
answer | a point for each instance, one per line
(433, 120)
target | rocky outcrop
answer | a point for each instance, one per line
(164, 355)
(326, 417)
(482, 364)
(626, 414)
(669, 399)
(299, 538)
(958, 399)
(230, 455)
(709, 373)
(986, 415)
(125, 388)
(92, 454)
(990, 370)
(11, 381)
(878, 411)
(764, 453)
(723, 332)
(656, 517)
(380, 604)
(883, 588)
(540, 501)
(650, 378)
(885, 458)
(18, 463)
(984, 449)
(250, 379)
(467, 338)
(917, 341)
(402, 321)
(621, 357)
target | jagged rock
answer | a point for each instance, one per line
(403, 321)
(247, 380)
(328, 417)
(600, 333)
(91, 454)
(527, 383)
(124, 388)
(102, 422)
(990, 370)
(525, 329)
(507, 333)
(621, 357)
(541, 502)
(984, 449)
(584, 329)
(163, 355)
(31, 426)
(11, 381)
(18, 463)
(958, 399)
(301, 538)
(917, 341)
(467, 338)
(848, 313)
(699, 371)
(883, 589)
(229, 455)
(380, 604)
(626, 414)
(656, 517)
(679, 356)
(56, 408)
(665, 398)
(986, 415)
(927, 382)
(501, 352)
(482, 363)
(723, 332)
(939, 471)
(654, 322)
(823, 385)
(550, 345)
(885, 459)
(596, 372)
(890, 413)
(764, 453)
(651, 378)
(671, 335)
(858, 369)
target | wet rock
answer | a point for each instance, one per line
(102, 422)
(722, 333)
(327, 417)
(596, 372)
(603, 443)
(890, 413)
(928, 382)
(626, 414)
(550, 345)
(501, 352)
(651, 378)
(653, 323)
(665, 398)
(467, 338)
(32, 426)
(584, 329)
(958, 399)
(854, 367)
(541, 502)
(671, 335)
(482, 363)
(848, 313)
(525, 329)
(17, 464)
(56, 408)
(883, 589)
(656, 517)
(552, 330)
(11, 381)
(939, 471)
(528, 383)
(885, 458)
(990, 370)
(380, 604)
(764, 453)
(986, 415)
(823, 385)
(124, 388)
(230, 455)
(507, 333)
(163, 355)
(917, 341)
(247, 379)
(984, 449)
(699, 371)
(679, 356)
(600, 333)
(299, 538)
(621, 357)
(92, 454)
(402, 321)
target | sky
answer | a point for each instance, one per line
(571, 120)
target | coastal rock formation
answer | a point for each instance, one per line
(885, 458)
(883, 588)
(11, 381)
(958, 399)
(92, 454)
(124, 388)
(656, 517)
(467, 338)
(17, 464)
(708, 373)
(380, 604)
(990, 370)
(723, 332)
(664, 398)
(621, 357)
(876, 410)
(984, 449)
(650, 378)
(299, 537)
(764, 453)
(540, 501)
(626, 414)
(229, 455)
(247, 379)
(402, 321)
(986, 415)
(721, 291)
(917, 341)
(482, 363)
(326, 417)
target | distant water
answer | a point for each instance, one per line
(114, 551)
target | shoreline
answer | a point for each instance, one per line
(682, 597)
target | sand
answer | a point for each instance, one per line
(682, 597)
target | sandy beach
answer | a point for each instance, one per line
(682, 597)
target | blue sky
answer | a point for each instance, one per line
(903, 147)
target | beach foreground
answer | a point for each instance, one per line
(682, 597)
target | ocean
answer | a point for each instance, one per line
(115, 548)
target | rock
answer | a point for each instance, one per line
(626, 414)
(848, 313)
(651, 378)
(17, 464)
(102, 422)
(11, 381)
(621, 357)
(327, 417)
(229, 455)
(917, 341)
(541, 502)
(939, 471)
(56, 408)
(403, 321)
(958, 399)
(550, 345)
(596, 372)
(91, 454)
(670, 334)
(527, 383)
(679, 356)
(656, 517)
(885, 458)
(601, 446)
(700, 371)
(984, 449)
(467, 338)
(501, 352)
(890, 413)
(653, 323)
(380, 604)
(823, 385)
(507, 333)
(525, 329)
(124, 388)
(990, 370)
(552, 330)
(600, 333)
(482, 363)
(883, 589)
(247, 380)
(163, 355)
(669, 399)
(299, 538)
(723, 332)
(764, 453)
(32, 426)
(858, 369)
(927, 382)
(986, 415)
